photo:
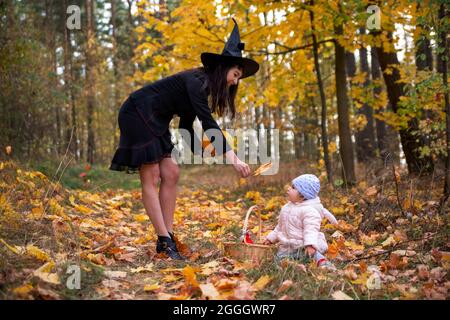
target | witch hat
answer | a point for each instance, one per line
(232, 54)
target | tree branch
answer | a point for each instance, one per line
(265, 52)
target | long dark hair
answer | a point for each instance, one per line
(222, 97)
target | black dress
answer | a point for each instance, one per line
(145, 116)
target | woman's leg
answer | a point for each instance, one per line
(169, 172)
(149, 174)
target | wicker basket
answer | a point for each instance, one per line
(256, 253)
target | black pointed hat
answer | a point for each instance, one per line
(232, 54)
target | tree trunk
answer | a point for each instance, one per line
(380, 126)
(90, 81)
(324, 137)
(366, 137)
(345, 137)
(410, 142)
(51, 44)
(70, 112)
(443, 58)
(116, 97)
(267, 128)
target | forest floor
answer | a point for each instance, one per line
(391, 242)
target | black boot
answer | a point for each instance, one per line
(172, 235)
(168, 246)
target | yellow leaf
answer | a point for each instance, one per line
(47, 267)
(72, 200)
(262, 282)
(15, 249)
(337, 211)
(37, 253)
(89, 223)
(214, 225)
(170, 278)
(48, 277)
(210, 267)
(242, 182)
(263, 168)
(37, 212)
(151, 287)
(189, 275)
(354, 246)
(23, 290)
(141, 217)
(148, 267)
(389, 241)
(44, 273)
(83, 209)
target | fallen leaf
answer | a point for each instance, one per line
(152, 287)
(284, 286)
(340, 295)
(47, 294)
(190, 277)
(262, 282)
(146, 268)
(263, 168)
(226, 284)
(371, 192)
(15, 249)
(388, 242)
(209, 292)
(46, 276)
(244, 291)
(141, 217)
(23, 291)
(37, 253)
(115, 274)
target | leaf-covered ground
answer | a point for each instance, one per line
(391, 242)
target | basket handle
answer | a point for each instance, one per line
(244, 229)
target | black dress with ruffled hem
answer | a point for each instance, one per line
(138, 145)
(145, 116)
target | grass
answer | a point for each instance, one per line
(98, 178)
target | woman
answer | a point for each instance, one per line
(145, 140)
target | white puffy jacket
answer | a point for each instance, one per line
(299, 226)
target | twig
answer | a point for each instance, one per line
(59, 179)
(396, 189)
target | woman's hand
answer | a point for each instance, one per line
(242, 168)
(310, 251)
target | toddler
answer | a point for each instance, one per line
(298, 229)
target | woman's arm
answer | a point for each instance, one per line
(199, 101)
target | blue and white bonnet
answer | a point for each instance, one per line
(308, 185)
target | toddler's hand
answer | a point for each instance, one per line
(310, 250)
